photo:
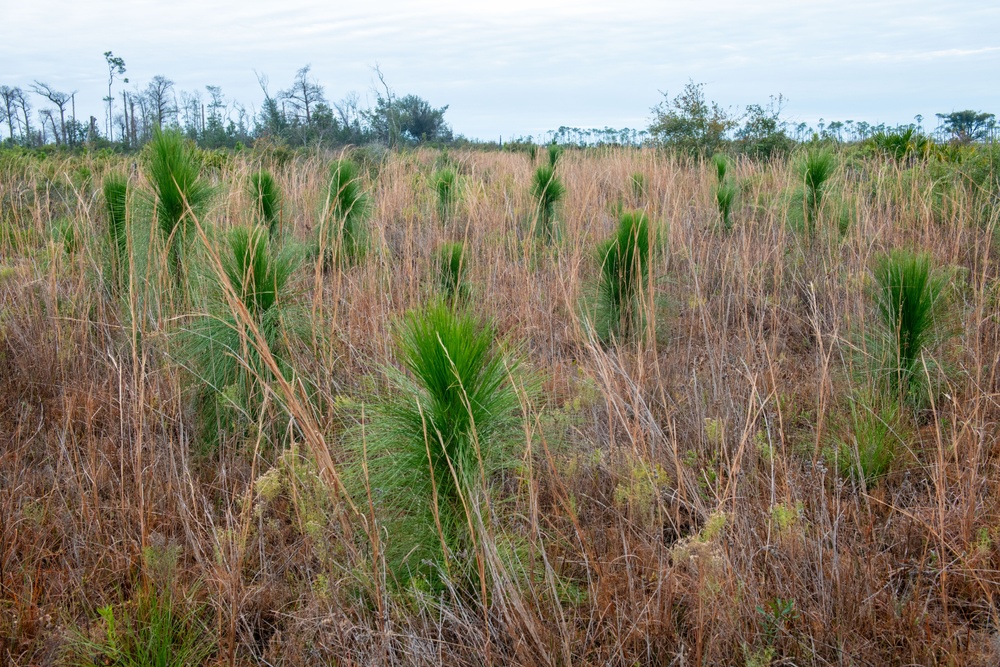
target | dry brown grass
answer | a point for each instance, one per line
(674, 490)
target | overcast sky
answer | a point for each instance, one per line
(520, 67)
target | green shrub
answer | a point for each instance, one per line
(554, 153)
(438, 444)
(624, 262)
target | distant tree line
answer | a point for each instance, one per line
(299, 115)
(691, 124)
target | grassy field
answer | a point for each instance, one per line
(425, 408)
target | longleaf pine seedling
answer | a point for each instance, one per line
(554, 154)
(451, 272)
(910, 307)
(342, 233)
(225, 354)
(266, 196)
(437, 446)
(180, 191)
(446, 186)
(115, 192)
(624, 261)
(548, 191)
(815, 170)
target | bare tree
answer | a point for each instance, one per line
(304, 94)
(8, 107)
(160, 93)
(58, 98)
(21, 100)
(116, 68)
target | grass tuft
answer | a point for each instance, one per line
(624, 261)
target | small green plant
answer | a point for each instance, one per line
(451, 271)
(815, 170)
(446, 186)
(624, 262)
(726, 194)
(64, 233)
(225, 354)
(876, 432)
(180, 193)
(155, 629)
(115, 192)
(342, 227)
(548, 191)
(266, 196)
(721, 163)
(532, 153)
(554, 154)
(910, 302)
(437, 446)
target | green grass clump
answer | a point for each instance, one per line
(266, 196)
(721, 167)
(725, 198)
(157, 628)
(438, 444)
(624, 261)
(911, 310)
(446, 186)
(180, 192)
(342, 229)
(548, 191)
(876, 432)
(451, 269)
(226, 356)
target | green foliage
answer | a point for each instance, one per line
(624, 261)
(446, 186)
(224, 354)
(968, 125)
(721, 163)
(901, 145)
(763, 135)
(554, 153)
(532, 153)
(451, 268)
(815, 169)
(690, 124)
(548, 191)
(64, 233)
(911, 309)
(266, 196)
(116, 190)
(875, 432)
(180, 192)
(343, 234)
(437, 445)
(156, 629)
(726, 193)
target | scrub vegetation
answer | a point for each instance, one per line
(607, 406)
